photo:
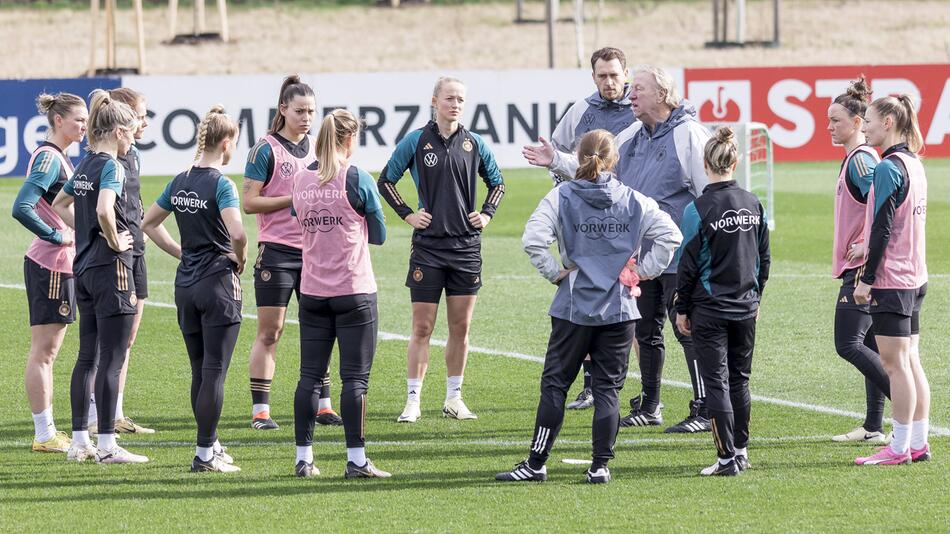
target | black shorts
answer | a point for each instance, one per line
(51, 295)
(896, 312)
(277, 274)
(849, 280)
(214, 300)
(106, 290)
(458, 271)
(140, 276)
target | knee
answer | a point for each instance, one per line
(43, 356)
(269, 335)
(354, 386)
(422, 329)
(459, 329)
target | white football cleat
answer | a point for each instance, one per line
(456, 409)
(410, 413)
(860, 434)
(118, 455)
(80, 453)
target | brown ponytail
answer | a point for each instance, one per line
(596, 154)
(337, 127)
(291, 87)
(901, 108)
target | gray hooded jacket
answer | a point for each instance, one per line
(592, 113)
(598, 227)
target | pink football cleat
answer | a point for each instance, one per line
(885, 456)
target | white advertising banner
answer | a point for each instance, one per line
(507, 108)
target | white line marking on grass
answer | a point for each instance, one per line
(389, 336)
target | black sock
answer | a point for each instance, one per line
(260, 391)
(587, 373)
(325, 387)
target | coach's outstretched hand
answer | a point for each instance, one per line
(419, 220)
(682, 324)
(539, 155)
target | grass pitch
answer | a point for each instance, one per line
(443, 469)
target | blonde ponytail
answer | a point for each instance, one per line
(902, 109)
(105, 115)
(338, 126)
(215, 127)
(596, 154)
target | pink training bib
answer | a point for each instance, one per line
(904, 264)
(280, 226)
(53, 257)
(336, 258)
(849, 218)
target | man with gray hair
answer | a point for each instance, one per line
(661, 156)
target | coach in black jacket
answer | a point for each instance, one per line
(722, 271)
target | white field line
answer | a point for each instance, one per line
(389, 336)
(698, 438)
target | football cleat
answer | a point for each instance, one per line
(366, 471)
(743, 462)
(262, 421)
(884, 456)
(222, 454)
(60, 442)
(920, 455)
(215, 465)
(639, 417)
(327, 416)
(410, 413)
(860, 434)
(600, 475)
(729, 469)
(80, 453)
(118, 455)
(523, 473)
(456, 409)
(306, 470)
(584, 400)
(694, 423)
(127, 426)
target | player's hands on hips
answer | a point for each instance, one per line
(239, 265)
(539, 155)
(67, 240)
(857, 251)
(419, 220)
(682, 324)
(562, 275)
(123, 243)
(862, 293)
(478, 220)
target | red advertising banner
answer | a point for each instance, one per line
(793, 102)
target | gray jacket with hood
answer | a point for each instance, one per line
(592, 113)
(665, 164)
(598, 226)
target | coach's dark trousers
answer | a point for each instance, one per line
(609, 349)
(724, 350)
(655, 304)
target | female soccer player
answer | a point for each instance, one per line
(894, 279)
(48, 265)
(105, 290)
(268, 180)
(132, 163)
(853, 339)
(339, 209)
(444, 159)
(593, 311)
(213, 252)
(723, 267)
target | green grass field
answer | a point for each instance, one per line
(443, 469)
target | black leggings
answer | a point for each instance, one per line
(103, 366)
(210, 352)
(351, 321)
(854, 341)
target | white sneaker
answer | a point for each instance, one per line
(118, 455)
(860, 434)
(456, 409)
(80, 453)
(216, 465)
(410, 413)
(222, 454)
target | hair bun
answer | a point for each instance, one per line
(860, 90)
(44, 102)
(724, 134)
(216, 109)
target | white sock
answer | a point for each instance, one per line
(324, 404)
(357, 455)
(918, 433)
(901, 441)
(258, 408)
(119, 414)
(742, 452)
(216, 447)
(43, 427)
(304, 454)
(724, 461)
(93, 413)
(414, 388)
(106, 442)
(81, 437)
(453, 387)
(205, 454)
